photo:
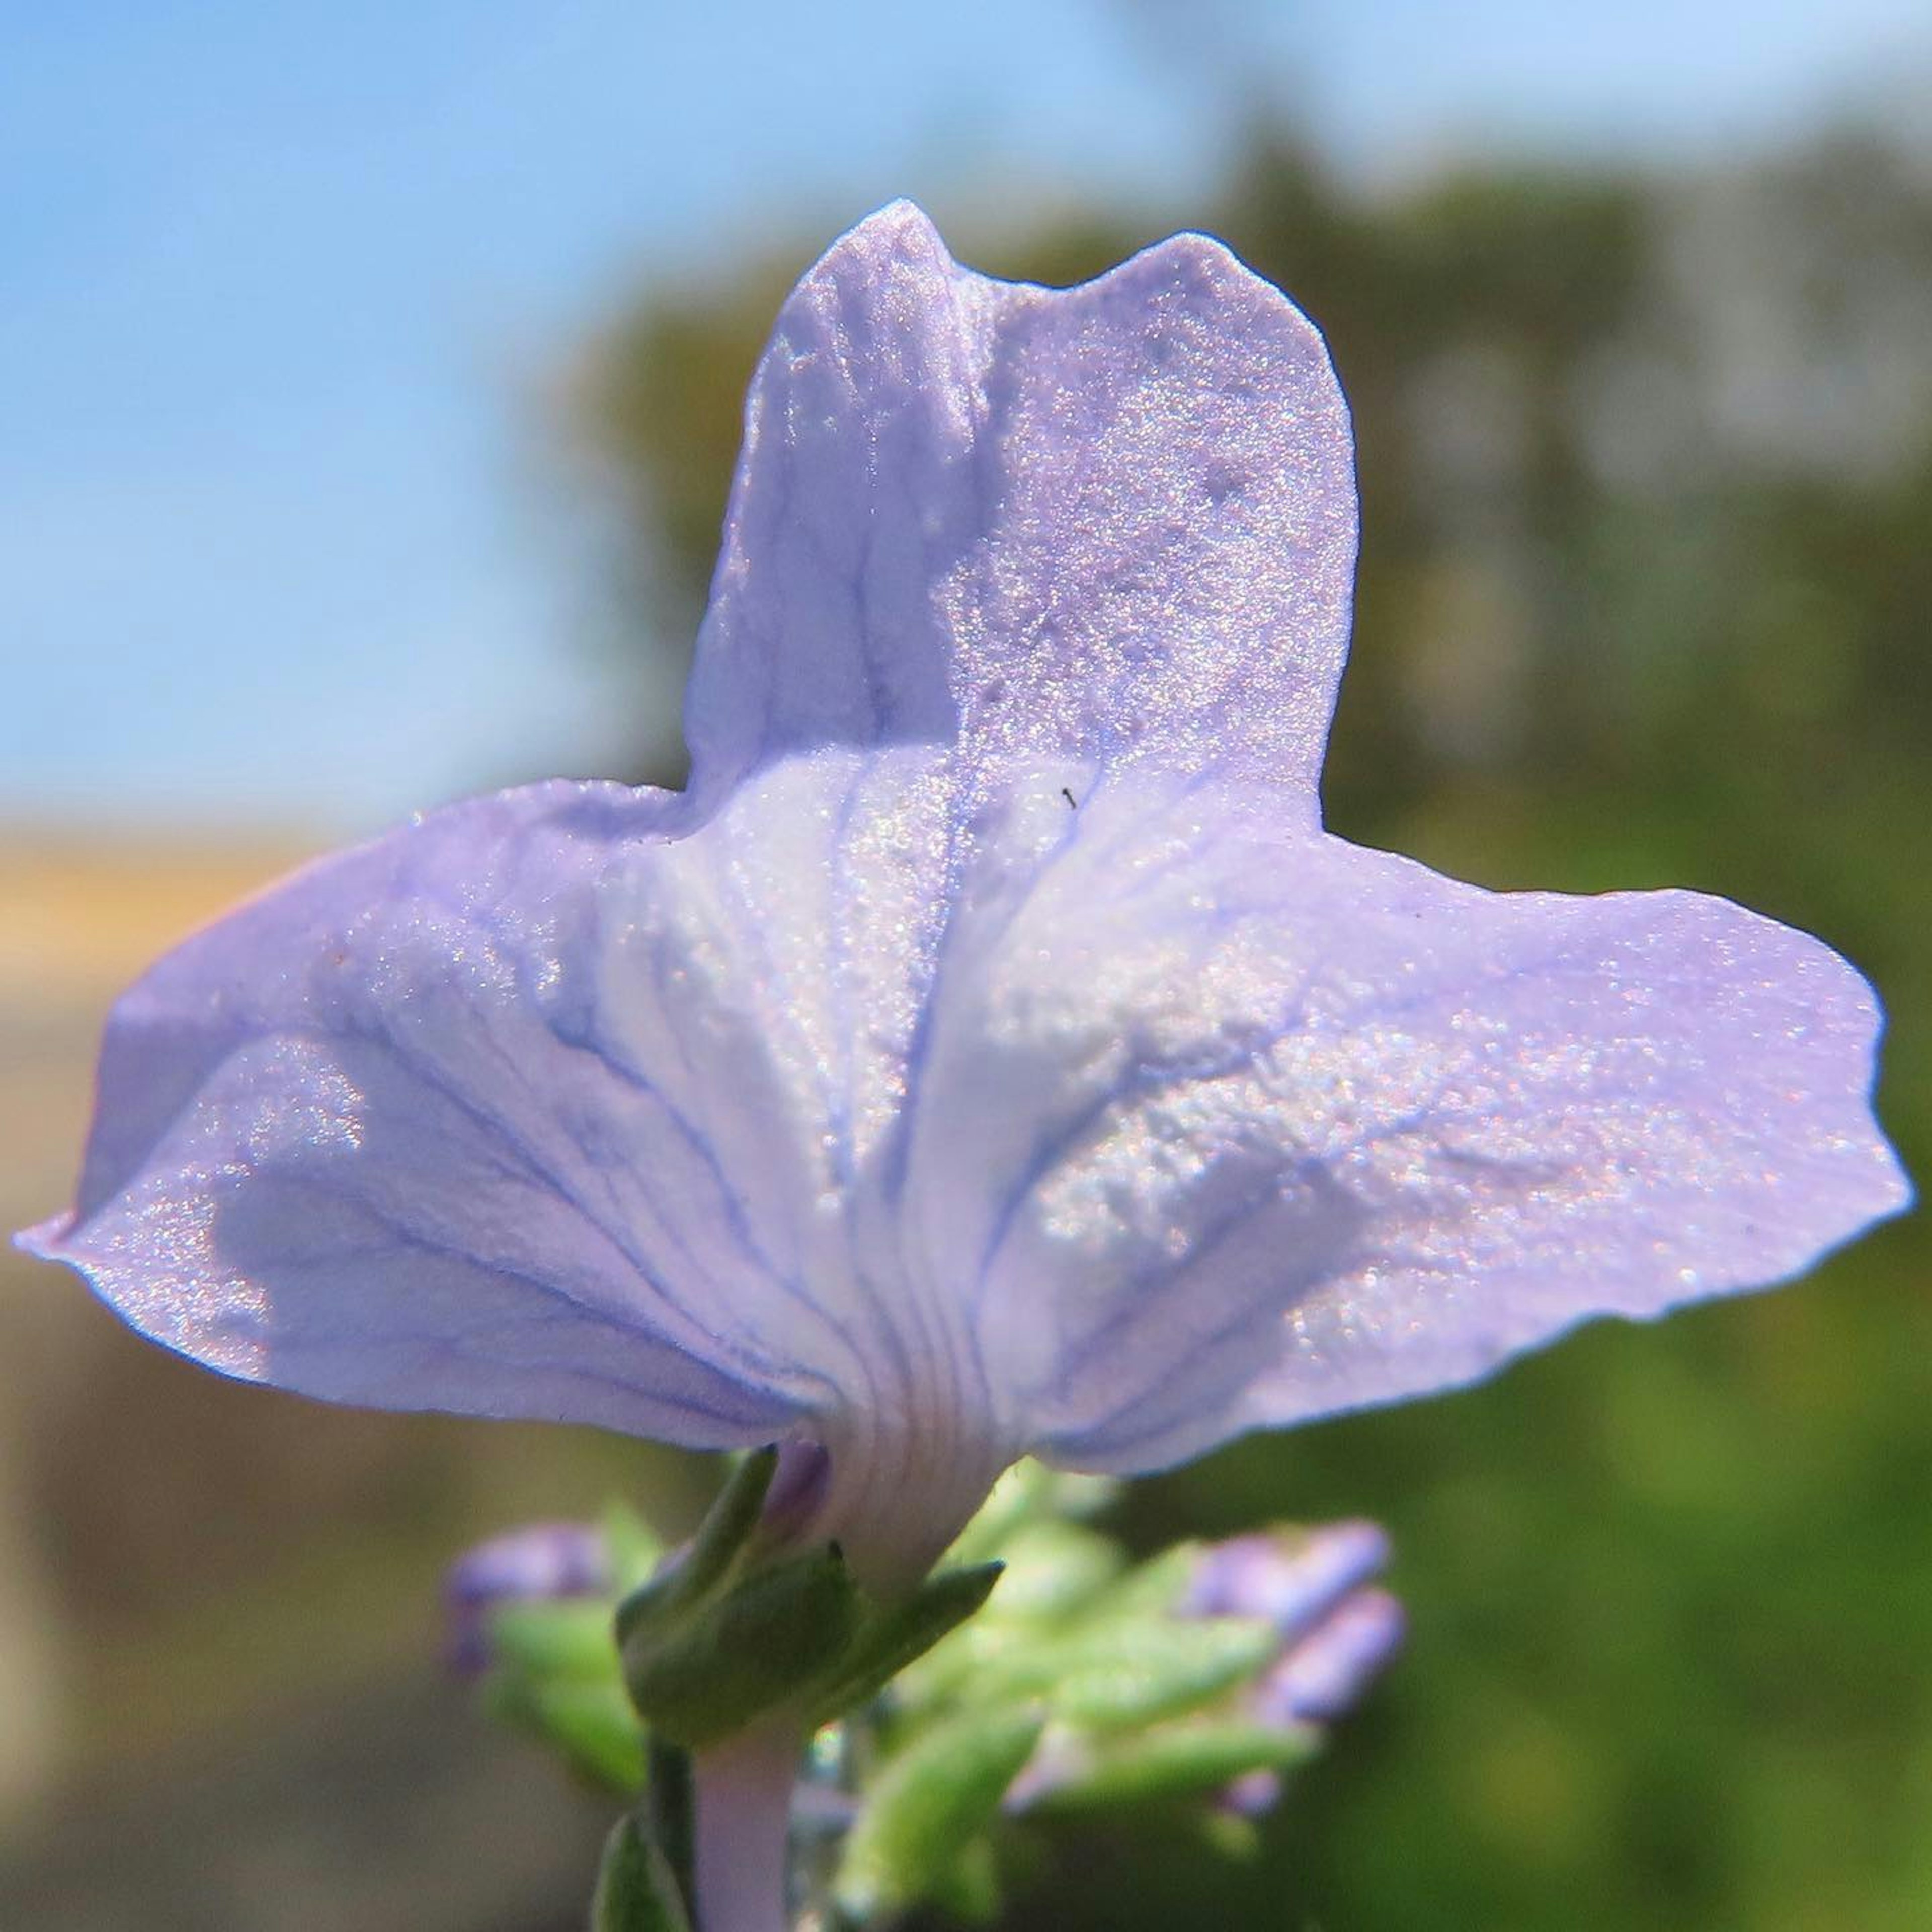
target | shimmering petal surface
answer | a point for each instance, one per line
(1108, 523)
(1325, 1128)
(377, 1137)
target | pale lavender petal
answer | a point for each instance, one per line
(1272, 1126)
(412, 1130)
(1109, 522)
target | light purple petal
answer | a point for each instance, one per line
(1273, 1127)
(1104, 523)
(410, 1130)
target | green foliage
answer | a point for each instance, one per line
(636, 1891)
(887, 1640)
(930, 1807)
(927, 1710)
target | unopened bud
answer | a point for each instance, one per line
(543, 1562)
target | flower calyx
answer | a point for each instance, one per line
(746, 1624)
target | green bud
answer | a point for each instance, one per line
(1153, 1588)
(1179, 1761)
(931, 1801)
(888, 1640)
(698, 1677)
(635, 1892)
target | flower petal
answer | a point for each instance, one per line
(415, 1130)
(1269, 1126)
(1106, 523)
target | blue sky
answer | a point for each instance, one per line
(281, 287)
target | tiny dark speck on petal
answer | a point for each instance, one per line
(1222, 480)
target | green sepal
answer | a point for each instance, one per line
(591, 1726)
(886, 1641)
(1180, 1761)
(721, 1538)
(697, 1678)
(931, 1801)
(635, 1890)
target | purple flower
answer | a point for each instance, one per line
(1337, 1633)
(1294, 1581)
(990, 1052)
(539, 1563)
(1322, 1671)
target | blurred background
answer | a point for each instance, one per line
(369, 381)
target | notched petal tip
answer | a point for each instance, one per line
(1114, 522)
(900, 231)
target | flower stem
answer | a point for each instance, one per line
(744, 1792)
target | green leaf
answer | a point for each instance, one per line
(1029, 1492)
(761, 1643)
(592, 1726)
(888, 1640)
(969, 1890)
(635, 1891)
(930, 1802)
(1113, 1673)
(570, 1639)
(1020, 1494)
(631, 1548)
(1181, 1761)
(1056, 1569)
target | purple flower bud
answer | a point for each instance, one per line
(540, 1562)
(1336, 1634)
(1252, 1795)
(1295, 1581)
(1321, 1675)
